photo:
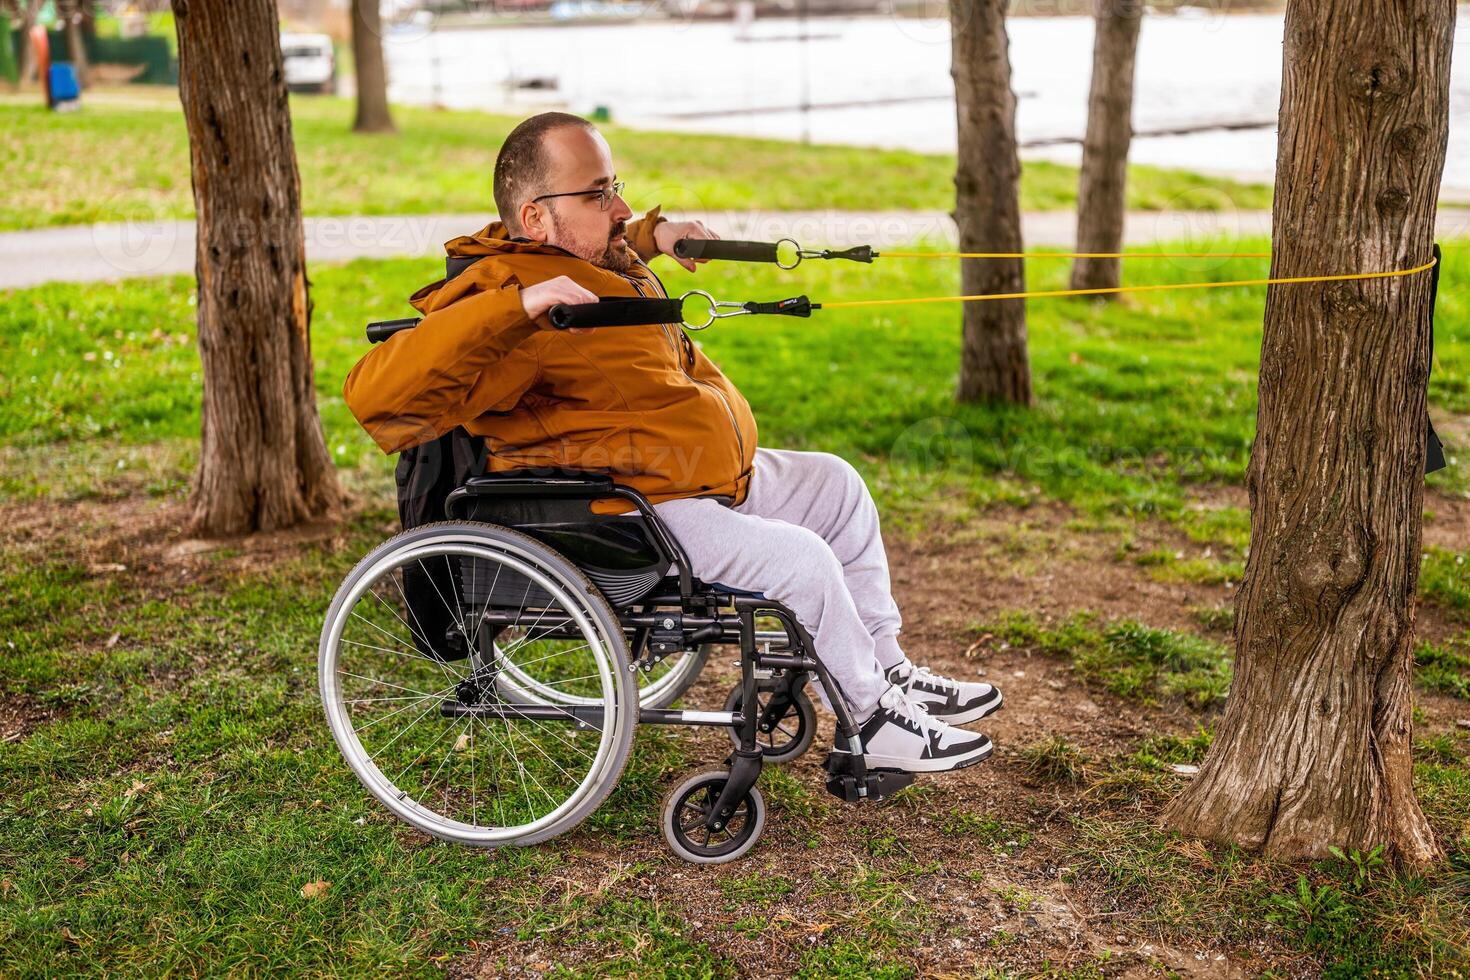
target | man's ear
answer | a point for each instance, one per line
(532, 226)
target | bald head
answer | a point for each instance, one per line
(531, 156)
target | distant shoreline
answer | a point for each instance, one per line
(765, 10)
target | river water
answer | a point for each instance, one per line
(706, 76)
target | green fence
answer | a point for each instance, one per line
(151, 51)
(7, 53)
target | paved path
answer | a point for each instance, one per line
(91, 253)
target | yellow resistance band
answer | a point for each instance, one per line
(1131, 289)
(1073, 255)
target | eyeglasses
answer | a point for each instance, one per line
(605, 195)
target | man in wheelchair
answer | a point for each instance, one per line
(646, 407)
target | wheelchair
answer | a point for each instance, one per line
(484, 676)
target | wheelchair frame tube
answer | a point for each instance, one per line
(588, 716)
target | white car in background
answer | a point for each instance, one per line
(311, 63)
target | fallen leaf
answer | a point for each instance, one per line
(112, 640)
(133, 790)
(462, 743)
(315, 889)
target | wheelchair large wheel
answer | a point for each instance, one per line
(657, 688)
(415, 703)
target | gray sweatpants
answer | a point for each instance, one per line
(806, 536)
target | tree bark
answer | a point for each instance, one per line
(1101, 192)
(1313, 750)
(993, 361)
(76, 47)
(25, 61)
(263, 463)
(372, 78)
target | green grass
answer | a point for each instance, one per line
(1445, 667)
(1351, 914)
(1135, 402)
(1126, 658)
(206, 696)
(442, 161)
(1444, 580)
(1054, 759)
(1352, 917)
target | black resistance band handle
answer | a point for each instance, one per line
(719, 248)
(795, 306)
(616, 311)
(383, 329)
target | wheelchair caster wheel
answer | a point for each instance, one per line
(789, 736)
(688, 805)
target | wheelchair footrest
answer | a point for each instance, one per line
(848, 779)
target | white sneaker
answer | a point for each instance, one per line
(957, 702)
(902, 735)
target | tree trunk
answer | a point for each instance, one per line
(76, 47)
(263, 463)
(25, 61)
(1101, 198)
(1313, 750)
(372, 78)
(993, 363)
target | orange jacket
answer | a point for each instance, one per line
(641, 404)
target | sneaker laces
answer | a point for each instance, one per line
(925, 674)
(898, 701)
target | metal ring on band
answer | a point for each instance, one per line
(795, 244)
(712, 308)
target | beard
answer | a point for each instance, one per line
(616, 257)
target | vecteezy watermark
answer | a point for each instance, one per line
(938, 447)
(406, 21)
(932, 21)
(937, 21)
(366, 236)
(1205, 220)
(942, 448)
(142, 241)
(677, 464)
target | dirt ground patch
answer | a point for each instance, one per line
(20, 714)
(1011, 902)
(969, 870)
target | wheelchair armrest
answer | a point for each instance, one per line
(543, 483)
(543, 486)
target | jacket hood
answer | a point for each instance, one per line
(495, 239)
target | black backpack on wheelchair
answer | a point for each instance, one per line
(426, 475)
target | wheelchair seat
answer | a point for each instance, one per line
(628, 556)
(625, 555)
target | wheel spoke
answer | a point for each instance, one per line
(392, 688)
(409, 606)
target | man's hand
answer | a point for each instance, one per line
(669, 232)
(538, 299)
